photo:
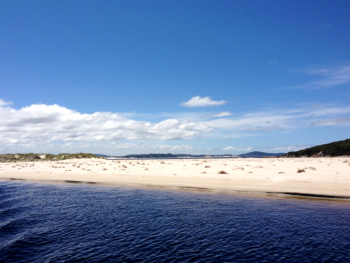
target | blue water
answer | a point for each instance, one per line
(76, 223)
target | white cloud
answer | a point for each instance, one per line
(265, 121)
(53, 124)
(4, 103)
(283, 119)
(53, 128)
(332, 77)
(237, 149)
(202, 102)
(223, 114)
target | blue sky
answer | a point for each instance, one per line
(209, 77)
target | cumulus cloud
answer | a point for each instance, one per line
(53, 128)
(42, 124)
(330, 77)
(222, 114)
(202, 102)
(4, 103)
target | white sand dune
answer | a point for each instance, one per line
(316, 176)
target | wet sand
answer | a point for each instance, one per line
(310, 177)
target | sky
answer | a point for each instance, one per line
(197, 77)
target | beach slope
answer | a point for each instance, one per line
(314, 177)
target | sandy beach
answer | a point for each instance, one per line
(318, 177)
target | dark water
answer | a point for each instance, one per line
(73, 223)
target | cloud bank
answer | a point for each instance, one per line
(42, 124)
(53, 128)
(202, 102)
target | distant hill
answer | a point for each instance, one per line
(29, 157)
(169, 155)
(101, 155)
(338, 148)
(259, 154)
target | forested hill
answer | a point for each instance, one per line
(259, 155)
(339, 148)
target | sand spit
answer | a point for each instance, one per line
(310, 177)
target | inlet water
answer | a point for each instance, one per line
(73, 223)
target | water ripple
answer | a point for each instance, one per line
(55, 223)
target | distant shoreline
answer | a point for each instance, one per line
(170, 158)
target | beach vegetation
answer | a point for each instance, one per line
(33, 157)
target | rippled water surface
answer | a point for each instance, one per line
(73, 223)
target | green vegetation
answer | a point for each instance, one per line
(339, 148)
(31, 157)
